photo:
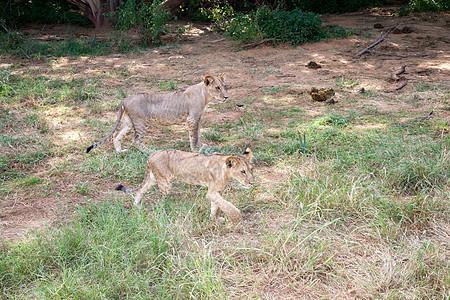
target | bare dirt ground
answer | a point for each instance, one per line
(249, 74)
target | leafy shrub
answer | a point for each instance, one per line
(241, 27)
(151, 18)
(429, 5)
(17, 13)
(294, 27)
(331, 6)
(155, 18)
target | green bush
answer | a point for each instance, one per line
(151, 18)
(17, 13)
(294, 27)
(241, 27)
(330, 6)
(429, 5)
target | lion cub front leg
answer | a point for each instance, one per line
(229, 209)
(194, 133)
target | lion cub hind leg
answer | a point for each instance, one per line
(148, 183)
(140, 129)
(126, 126)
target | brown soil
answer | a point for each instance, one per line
(249, 74)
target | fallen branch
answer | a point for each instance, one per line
(430, 115)
(285, 75)
(216, 41)
(4, 28)
(394, 76)
(402, 56)
(252, 45)
(382, 37)
(401, 86)
(402, 70)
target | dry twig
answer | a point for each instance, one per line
(428, 116)
(252, 45)
(285, 75)
(401, 86)
(401, 56)
(394, 76)
(382, 37)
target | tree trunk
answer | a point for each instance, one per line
(95, 10)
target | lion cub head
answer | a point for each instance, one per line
(240, 168)
(215, 87)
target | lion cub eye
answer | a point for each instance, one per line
(218, 88)
(243, 172)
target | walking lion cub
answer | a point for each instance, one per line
(166, 109)
(212, 171)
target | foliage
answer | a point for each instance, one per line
(18, 45)
(330, 6)
(429, 5)
(207, 10)
(294, 27)
(17, 13)
(150, 18)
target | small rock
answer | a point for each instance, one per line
(378, 26)
(330, 101)
(407, 30)
(396, 31)
(362, 90)
(313, 65)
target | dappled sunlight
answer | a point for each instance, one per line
(62, 120)
(369, 126)
(72, 135)
(193, 31)
(274, 99)
(445, 66)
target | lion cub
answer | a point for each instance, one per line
(166, 109)
(212, 171)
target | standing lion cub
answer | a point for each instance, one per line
(212, 171)
(167, 109)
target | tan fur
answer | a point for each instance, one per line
(212, 171)
(166, 109)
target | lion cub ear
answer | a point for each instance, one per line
(231, 162)
(248, 154)
(222, 77)
(208, 80)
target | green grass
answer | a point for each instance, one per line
(21, 46)
(109, 252)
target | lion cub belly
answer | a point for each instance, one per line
(191, 168)
(168, 120)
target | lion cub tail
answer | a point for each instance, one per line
(124, 189)
(119, 116)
